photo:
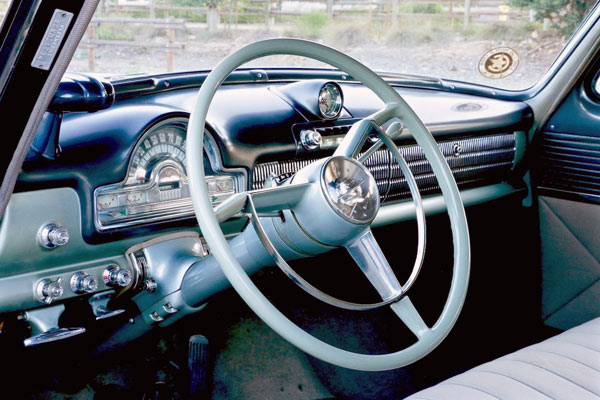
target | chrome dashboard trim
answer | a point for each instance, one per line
(482, 159)
(175, 209)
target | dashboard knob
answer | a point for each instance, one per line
(48, 290)
(150, 285)
(116, 276)
(124, 278)
(310, 139)
(83, 283)
(53, 235)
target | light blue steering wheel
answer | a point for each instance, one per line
(309, 188)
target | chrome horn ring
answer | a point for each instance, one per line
(334, 301)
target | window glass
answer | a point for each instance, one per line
(503, 43)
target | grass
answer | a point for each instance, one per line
(421, 8)
(409, 32)
(312, 25)
(113, 32)
(501, 31)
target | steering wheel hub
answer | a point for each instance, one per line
(350, 190)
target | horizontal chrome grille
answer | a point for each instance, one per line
(484, 159)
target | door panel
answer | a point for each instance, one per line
(567, 177)
(570, 240)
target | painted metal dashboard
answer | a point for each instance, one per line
(249, 125)
(124, 167)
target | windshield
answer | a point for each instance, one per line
(507, 44)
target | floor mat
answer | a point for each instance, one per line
(256, 363)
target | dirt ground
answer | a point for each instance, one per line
(452, 58)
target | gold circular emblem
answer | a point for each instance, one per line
(499, 63)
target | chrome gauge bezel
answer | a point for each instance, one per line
(165, 210)
(338, 100)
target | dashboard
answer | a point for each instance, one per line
(120, 180)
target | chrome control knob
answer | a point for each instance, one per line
(124, 278)
(48, 290)
(310, 139)
(53, 235)
(150, 285)
(117, 276)
(83, 283)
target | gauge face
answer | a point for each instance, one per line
(163, 145)
(107, 201)
(330, 100)
(136, 198)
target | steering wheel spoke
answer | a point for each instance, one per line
(267, 200)
(407, 312)
(357, 135)
(372, 262)
(393, 131)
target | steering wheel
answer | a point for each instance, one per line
(333, 202)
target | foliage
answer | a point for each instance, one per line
(421, 8)
(191, 3)
(564, 15)
(311, 25)
(498, 31)
(412, 33)
(112, 32)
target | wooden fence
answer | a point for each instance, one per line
(232, 12)
(170, 25)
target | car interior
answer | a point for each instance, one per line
(294, 232)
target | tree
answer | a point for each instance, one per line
(565, 15)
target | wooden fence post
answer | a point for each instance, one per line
(229, 14)
(212, 17)
(267, 15)
(91, 48)
(467, 13)
(395, 11)
(451, 12)
(153, 9)
(170, 56)
(330, 8)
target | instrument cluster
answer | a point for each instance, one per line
(156, 186)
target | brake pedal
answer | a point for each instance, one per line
(198, 367)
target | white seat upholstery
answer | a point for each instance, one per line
(566, 366)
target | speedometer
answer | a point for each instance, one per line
(156, 185)
(166, 144)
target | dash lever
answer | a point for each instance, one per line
(44, 326)
(99, 303)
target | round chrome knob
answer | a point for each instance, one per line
(124, 278)
(310, 139)
(150, 285)
(83, 283)
(53, 235)
(48, 290)
(116, 276)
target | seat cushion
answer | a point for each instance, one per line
(566, 366)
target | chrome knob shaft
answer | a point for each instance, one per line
(53, 235)
(83, 283)
(310, 139)
(48, 290)
(116, 276)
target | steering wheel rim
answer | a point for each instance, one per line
(428, 338)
